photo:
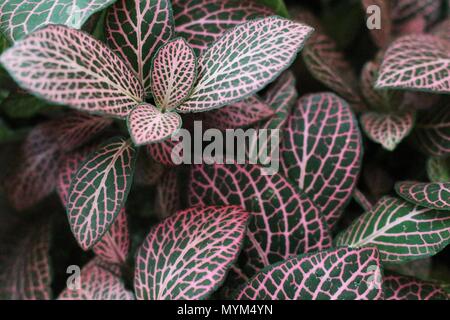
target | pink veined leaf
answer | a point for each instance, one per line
(235, 279)
(381, 36)
(25, 266)
(244, 60)
(431, 195)
(335, 274)
(442, 30)
(379, 100)
(168, 195)
(187, 256)
(150, 24)
(321, 152)
(397, 287)
(67, 66)
(174, 71)
(68, 167)
(99, 190)
(36, 173)
(240, 114)
(328, 65)
(401, 231)
(432, 132)
(147, 124)
(148, 171)
(76, 128)
(416, 62)
(388, 129)
(162, 151)
(414, 16)
(97, 283)
(362, 200)
(114, 245)
(202, 22)
(438, 169)
(19, 18)
(285, 221)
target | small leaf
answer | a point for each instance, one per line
(136, 29)
(240, 114)
(68, 167)
(67, 66)
(244, 60)
(400, 231)
(114, 245)
(202, 22)
(328, 65)
(285, 221)
(97, 283)
(336, 274)
(19, 18)
(99, 191)
(397, 287)
(432, 132)
(174, 69)
(25, 266)
(186, 256)
(76, 128)
(322, 150)
(438, 169)
(414, 16)
(36, 173)
(431, 195)
(162, 151)
(387, 129)
(416, 62)
(147, 124)
(168, 195)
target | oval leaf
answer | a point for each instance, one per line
(328, 65)
(168, 195)
(25, 267)
(202, 22)
(36, 173)
(321, 152)
(98, 283)
(387, 129)
(244, 60)
(400, 231)
(432, 132)
(397, 287)
(337, 274)
(114, 245)
(186, 256)
(19, 18)
(416, 62)
(99, 191)
(174, 69)
(430, 195)
(438, 169)
(240, 114)
(69, 67)
(147, 124)
(285, 221)
(136, 29)
(162, 151)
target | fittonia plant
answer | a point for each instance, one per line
(362, 189)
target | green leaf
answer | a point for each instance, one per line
(19, 18)
(438, 169)
(23, 105)
(400, 231)
(99, 190)
(336, 274)
(431, 195)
